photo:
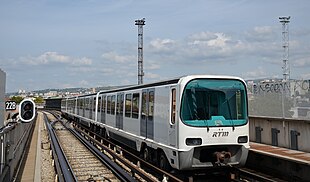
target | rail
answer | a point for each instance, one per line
(62, 165)
(247, 175)
(135, 159)
(116, 169)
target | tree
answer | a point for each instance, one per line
(38, 100)
(17, 99)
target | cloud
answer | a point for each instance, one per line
(162, 44)
(54, 57)
(216, 40)
(84, 83)
(114, 57)
(151, 65)
(151, 76)
(255, 74)
(302, 62)
(203, 36)
(262, 34)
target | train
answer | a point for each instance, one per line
(187, 123)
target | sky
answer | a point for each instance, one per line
(92, 43)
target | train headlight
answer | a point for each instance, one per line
(242, 139)
(193, 141)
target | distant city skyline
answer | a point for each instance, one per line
(92, 43)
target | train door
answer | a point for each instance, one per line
(83, 106)
(173, 117)
(78, 106)
(75, 106)
(103, 108)
(98, 113)
(90, 107)
(147, 113)
(94, 108)
(119, 110)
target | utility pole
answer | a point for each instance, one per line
(140, 24)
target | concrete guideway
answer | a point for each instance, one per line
(32, 168)
(290, 165)
(279, 152)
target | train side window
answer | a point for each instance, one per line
(122, 104)
(128, 106)
(94, 104)
(151, 104)
(87, 104)
(109, 105)
(84, 105)
(84, 102)
(90, 104)
(91, 101)
(135, 105)
(74, 104)
(173, 105)
(144, 110)
(113, 105)
(99, 104)
(103, 103)
(118, 104)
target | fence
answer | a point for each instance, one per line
(277, 98)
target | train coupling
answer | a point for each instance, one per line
(220, 157)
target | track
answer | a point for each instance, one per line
(120, 155)
(220, 174)
(85, 165)
(82, 163)
(250, 175)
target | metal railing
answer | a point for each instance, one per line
(14, 139)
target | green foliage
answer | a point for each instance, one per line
(38, 100)
(17, 99)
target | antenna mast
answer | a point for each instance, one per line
(285, 45)
(140, 24)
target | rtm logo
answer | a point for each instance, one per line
(220, 134)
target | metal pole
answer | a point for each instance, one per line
(140, 24)
(286, 69)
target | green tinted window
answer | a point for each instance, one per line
(207, 102)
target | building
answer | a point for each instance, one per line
(2, 96)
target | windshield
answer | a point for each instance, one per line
(209, 102)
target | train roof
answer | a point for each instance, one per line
(159, 83)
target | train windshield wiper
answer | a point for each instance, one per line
(207, 124)
(230, 115)
(229, 111)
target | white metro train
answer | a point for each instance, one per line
(192, 122)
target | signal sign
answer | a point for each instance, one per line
(10, 105)
(27, 110)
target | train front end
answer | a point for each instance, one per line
(213, 127)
